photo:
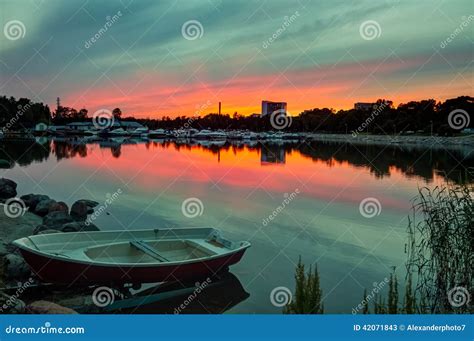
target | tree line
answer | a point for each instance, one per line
(425, 116)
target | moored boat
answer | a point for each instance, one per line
(137, 256)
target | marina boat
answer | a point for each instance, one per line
(158, 133)
(137, 256)
(249, 135)
(139, 132)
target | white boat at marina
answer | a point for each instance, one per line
(157, 133)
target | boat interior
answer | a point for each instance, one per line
(139, 251)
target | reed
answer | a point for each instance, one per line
(308, 294)
(441, 248)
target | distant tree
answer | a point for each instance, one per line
(117, 113)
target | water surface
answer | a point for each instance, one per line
(239, 187)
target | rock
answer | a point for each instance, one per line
(40, 228)
(46, 307)
(42, 208)
(22, 226)
(3, 249)
(79, 226)
(48, 231)
(15, 267)
(57, 219)
(80, 210)
(11, 304)
(5, 164)
(7, 188)
(31, 200)
(58, 207)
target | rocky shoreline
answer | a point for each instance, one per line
(27, 215)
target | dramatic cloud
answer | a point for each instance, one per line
(137, 55)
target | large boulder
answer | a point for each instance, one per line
(31, 200)
(78, 226)
(7, 188)
(59, 207)
(15, 267)
(43, 207)
(81, 208)
(47, 231)
(55, 220)
(46, 307)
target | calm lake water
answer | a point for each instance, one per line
(240, 186)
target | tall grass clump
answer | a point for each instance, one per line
(308, 294)
(441, 249)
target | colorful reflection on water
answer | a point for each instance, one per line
(240, 186)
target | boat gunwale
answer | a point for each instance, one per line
(243, 246)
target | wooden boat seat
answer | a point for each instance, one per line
(147, 249)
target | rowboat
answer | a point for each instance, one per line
(137, 256)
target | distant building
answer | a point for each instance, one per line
(364, 106)
(269, 108)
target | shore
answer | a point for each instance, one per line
(20, 290)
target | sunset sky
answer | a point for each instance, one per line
(322, 57)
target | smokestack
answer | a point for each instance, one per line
(220, 108)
